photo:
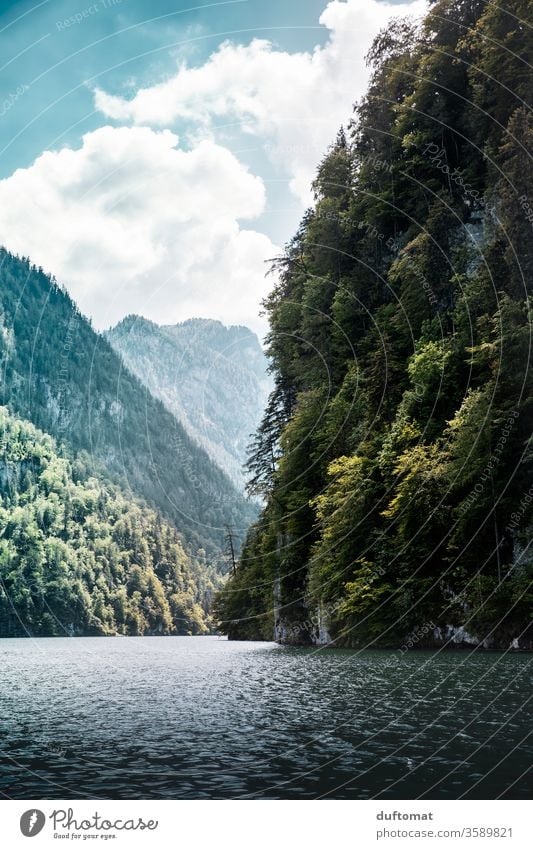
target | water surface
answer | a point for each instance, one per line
(200, 717)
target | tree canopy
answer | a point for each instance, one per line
(395, 456)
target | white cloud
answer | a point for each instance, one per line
(293, 102)
(131, 223)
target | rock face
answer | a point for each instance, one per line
(66, 379)
(211, 377)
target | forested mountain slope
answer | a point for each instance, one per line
(211, 377)
(395, 454)
(79, 557)
(67, 380)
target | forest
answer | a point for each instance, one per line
(65, 378)
(394, 457)
(112, 518)
(77, 556)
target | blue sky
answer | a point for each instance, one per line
(120, 44)
(182, 138)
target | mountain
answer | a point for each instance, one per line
(211, 377)
(66, 379)
(78, 556)
(394, 456)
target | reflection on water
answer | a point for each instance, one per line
(198, 717)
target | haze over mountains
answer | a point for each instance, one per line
(113, 518)
(213, 378)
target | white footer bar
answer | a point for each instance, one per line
(255, 824)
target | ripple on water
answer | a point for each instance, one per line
(204, 718)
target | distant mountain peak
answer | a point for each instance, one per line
(211, 376)
(68, 381)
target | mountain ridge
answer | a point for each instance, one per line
(64, 377)
(211, 376)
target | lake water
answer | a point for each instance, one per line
(200, 717)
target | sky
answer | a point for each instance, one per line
(154, 156)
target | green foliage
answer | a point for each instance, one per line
(66, 379)
(396, 474)
(77, 556)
